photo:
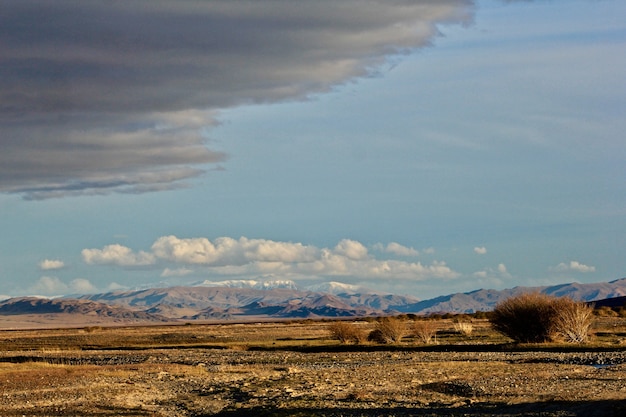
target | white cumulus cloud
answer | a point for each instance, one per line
(351, 249)
(251, 258)
(396, 249)
(480, 250)
(499, 272)
(573, 266)
(228, 251)
(50, 264)
(117, 255)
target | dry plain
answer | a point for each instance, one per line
(297, 369)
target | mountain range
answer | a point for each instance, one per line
(251, 300)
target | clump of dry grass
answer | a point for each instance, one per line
(425, 331)
(464, 328)
(347, 332)
(388, 330)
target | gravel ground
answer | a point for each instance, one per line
(222, 382)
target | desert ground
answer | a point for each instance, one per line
(297, 369)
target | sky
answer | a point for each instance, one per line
(414, 147)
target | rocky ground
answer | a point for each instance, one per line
(212, 382)
(295, 370)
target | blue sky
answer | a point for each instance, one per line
(424, 148)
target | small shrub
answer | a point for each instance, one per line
(425, 331)
(376, 336)
(571, 320)
(392, 329)
(346, 332)
(536, 318)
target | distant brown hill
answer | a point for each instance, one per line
(64, 308)
(229, 303)
(486, 300)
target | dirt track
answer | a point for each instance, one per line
(219, 382)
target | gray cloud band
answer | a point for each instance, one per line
(99, 97)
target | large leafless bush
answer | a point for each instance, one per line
(536, 317)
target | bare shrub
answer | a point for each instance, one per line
(535, 317)
(376, 336)
(425, 331)
(464, 328)
(346, 332)
(524, 318)
(571, 320)
(391, 329)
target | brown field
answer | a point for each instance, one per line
(296, 369)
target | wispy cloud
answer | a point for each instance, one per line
(492, 277)
(112, 97)
(245, 257)
(177, 272)
(52, 286)
(48, 286)
(82, 286)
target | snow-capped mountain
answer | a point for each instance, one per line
(336, 288)
(249, 283)
(330, 287)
